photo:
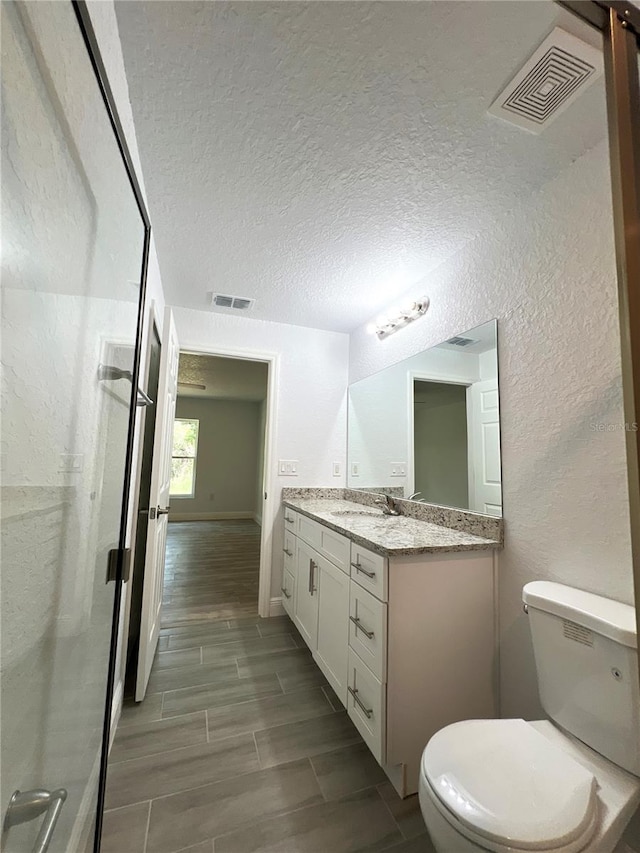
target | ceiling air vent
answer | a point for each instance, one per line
(558, 72)
(239, 303)
(459, 341)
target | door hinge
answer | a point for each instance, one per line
(119, 562)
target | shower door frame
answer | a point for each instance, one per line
(620, 25)
(83, 18)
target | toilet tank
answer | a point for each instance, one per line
(587, 662)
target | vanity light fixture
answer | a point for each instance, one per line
(400, 318)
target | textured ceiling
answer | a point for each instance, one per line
(223, 378)
(322, 157)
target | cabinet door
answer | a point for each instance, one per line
(306, 593)
(333, 627)
(289, 589)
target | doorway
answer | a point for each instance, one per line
(440, 439)
(217, 493)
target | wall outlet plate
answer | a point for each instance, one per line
(337, 469)
(398, 469)
(288, 467)
(71, 462)
(355, 469)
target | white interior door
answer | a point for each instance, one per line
(485, 487)
(158, 503)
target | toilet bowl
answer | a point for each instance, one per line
(510, 786)
(564, 785)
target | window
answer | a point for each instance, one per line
(183, 457)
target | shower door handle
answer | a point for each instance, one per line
(28, 805)
(160, 511)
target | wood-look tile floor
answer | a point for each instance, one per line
(240, 745)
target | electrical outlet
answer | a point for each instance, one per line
(71, 462)
(355, 469)
(398, 469)
(288, 467)
(337, 468)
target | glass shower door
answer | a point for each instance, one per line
(72, 250)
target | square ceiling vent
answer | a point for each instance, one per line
(560, 70)
(237, 303)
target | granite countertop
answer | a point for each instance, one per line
(389, 535)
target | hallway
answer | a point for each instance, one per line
(239, 745)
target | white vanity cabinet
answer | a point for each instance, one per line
(406, 642)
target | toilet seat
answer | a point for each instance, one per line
(508, 788)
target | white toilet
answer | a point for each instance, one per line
(563, 786)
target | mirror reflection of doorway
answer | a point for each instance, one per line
(440, 442)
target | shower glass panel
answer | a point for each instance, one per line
(72, 249)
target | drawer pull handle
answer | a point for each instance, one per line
(359, 568)
(287, 552)
(368, 712)
(359, 627)
(312, 585)
(284, 592)
(290, 520)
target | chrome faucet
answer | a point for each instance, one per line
(388, 505)
(413, 496)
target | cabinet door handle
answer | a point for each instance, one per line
(359, 568)
(368, 712)
(312, 587)
(359, 627)
(287, 552)
(284, 592)
(290, 520)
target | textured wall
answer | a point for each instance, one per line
(310, 396)
(227, 464)
(547, 273)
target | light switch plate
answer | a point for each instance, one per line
(288, 467)
(355, 469)
(336, 469)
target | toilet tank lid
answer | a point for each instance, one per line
(604, 616)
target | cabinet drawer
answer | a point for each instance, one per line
(289, 547)
(366, 705)
(290, 518)
(370, 570)
(330, 544)
(289, 588)
(368, 629)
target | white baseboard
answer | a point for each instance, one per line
(116, 710)
(276, 608)
(258, 519)
(208, 516)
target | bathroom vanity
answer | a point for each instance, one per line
(399, 616)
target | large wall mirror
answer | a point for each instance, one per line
(429, 426)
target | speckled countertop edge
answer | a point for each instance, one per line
(363, 529)
(465, 521)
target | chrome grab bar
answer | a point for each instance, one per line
(368, 712)
(359, 568)
(286, 594)
(28, 805)
(359, 627)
